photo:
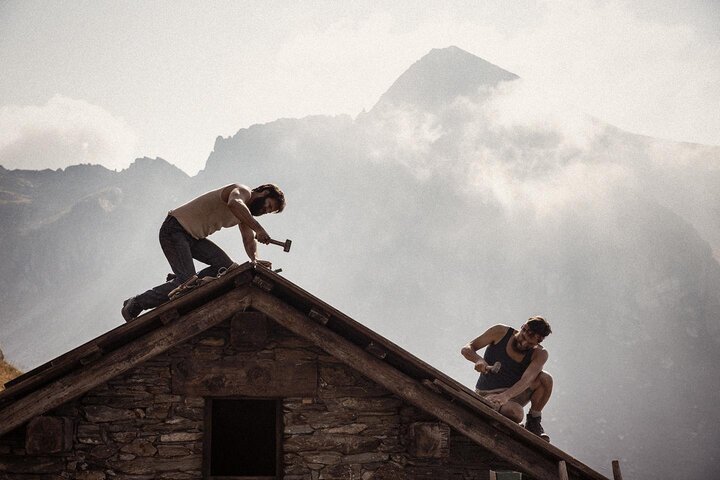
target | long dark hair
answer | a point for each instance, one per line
(275, 193)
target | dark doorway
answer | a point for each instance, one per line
(244, 436)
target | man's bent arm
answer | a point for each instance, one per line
(531, 373)
(236, 202)
(249, 242)
(491, 335)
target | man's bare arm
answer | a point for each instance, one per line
(248, 237)
(491, 335)
(236, 201)
(539, 359)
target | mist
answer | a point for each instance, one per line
(429, 222)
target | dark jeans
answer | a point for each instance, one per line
(180, 248)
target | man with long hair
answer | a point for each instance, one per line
(183, 236)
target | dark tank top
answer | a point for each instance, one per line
(510, 371)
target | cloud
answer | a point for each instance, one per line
(629, 68)
(510, 145)
(63, 132)
(649, 74)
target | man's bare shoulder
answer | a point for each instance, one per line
(236, 190)
(540, 354)
(500, 328)
(495, 333)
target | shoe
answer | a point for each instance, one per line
(130, 309)
(223, 270)
(189, 284)
(533, 425)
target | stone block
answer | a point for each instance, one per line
(429, 439)
(49, 435)
(248, 331)
(90, 475)
(101, 413)
(140, 448)
(180, 437)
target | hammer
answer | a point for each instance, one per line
(495, 368)
(286, 244)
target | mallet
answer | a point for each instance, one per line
(286, 244)
(495, 368)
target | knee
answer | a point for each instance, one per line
(513, 411)
(546, 380)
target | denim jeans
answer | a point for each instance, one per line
(180, 248)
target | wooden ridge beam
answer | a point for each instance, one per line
(520, 455)
(123, 359)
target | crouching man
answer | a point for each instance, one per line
(520, 379)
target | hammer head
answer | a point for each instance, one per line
(287, 245)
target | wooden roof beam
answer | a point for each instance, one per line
(123, 359)
(520, 455)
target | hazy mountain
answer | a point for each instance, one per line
(439, 77)
(462, 199)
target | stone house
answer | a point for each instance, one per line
(251, 377)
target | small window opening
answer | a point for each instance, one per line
(243, 438)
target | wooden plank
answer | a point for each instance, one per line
(119, 335)
(481, 405)
(516, 453)
(393, 350)
(122, 359)
(169, 316)
(562, 470)
(376, 350)
(476, 402)
(237, 376)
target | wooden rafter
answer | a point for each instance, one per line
(517, 453)
(121, 360)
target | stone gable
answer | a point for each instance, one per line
(150, 422)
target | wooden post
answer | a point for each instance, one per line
(493, 476)
(562, 470)
(617, 474)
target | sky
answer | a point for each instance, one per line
(109, 81)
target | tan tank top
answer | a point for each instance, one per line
(205, 215)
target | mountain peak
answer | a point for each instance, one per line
(440, 76)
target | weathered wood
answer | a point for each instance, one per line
(562, 470)
(376, 350)
(122, 359)
(474, 401)
(95, 353)
(169, 316)
(617, 474)
(505, 447)
(429, 384)
(123, 333)
(251, 378)
(493, 475)
(319, 316)
(506, 425)
(263, 284)
(408, 360)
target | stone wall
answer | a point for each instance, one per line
(149, 423)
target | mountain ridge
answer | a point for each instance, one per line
(417, 223)
(440, 76)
